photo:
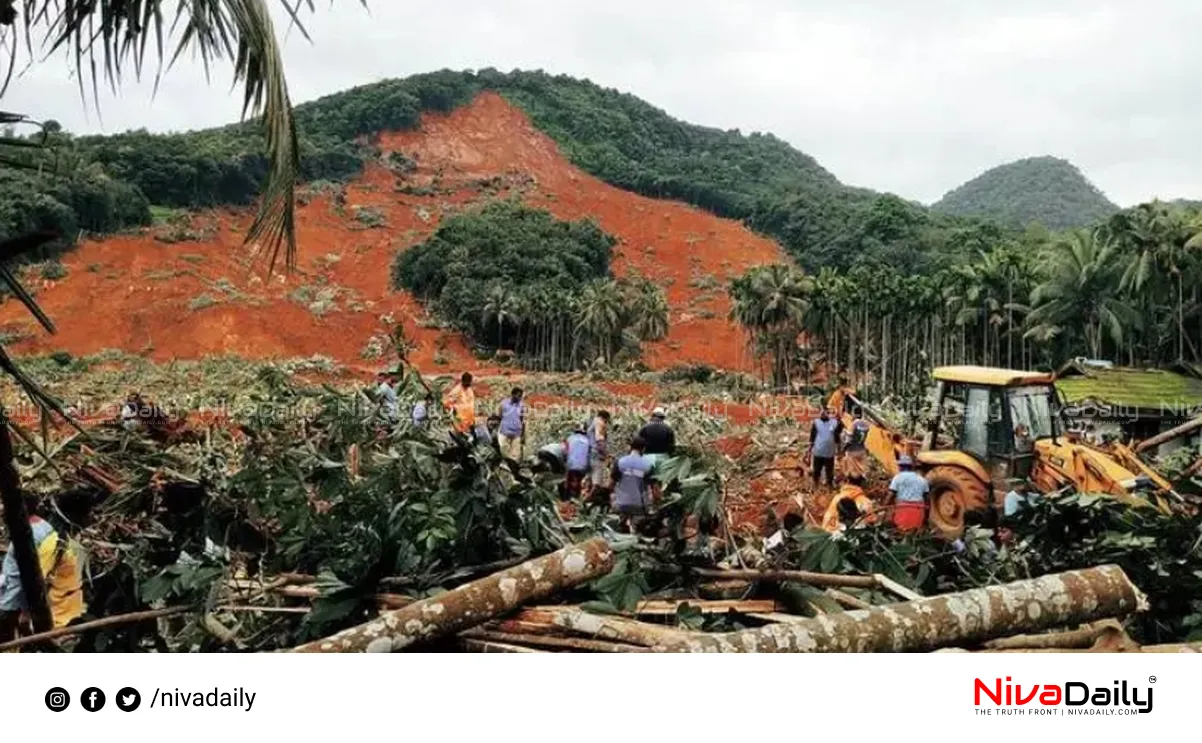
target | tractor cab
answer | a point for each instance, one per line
(987, 430)
(995, 416)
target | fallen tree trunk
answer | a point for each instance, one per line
(472, 603)
(570, 644)
(1169, 435)
(823, 580)
(616, 629)
(963, 618)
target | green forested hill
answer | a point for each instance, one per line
(1043, 190)
(627, 142)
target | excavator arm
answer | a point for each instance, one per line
(883, 443)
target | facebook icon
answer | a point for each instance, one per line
(92, 699)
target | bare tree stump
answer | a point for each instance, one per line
(472, 603)
(966, 618)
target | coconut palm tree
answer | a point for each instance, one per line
(602, 311)
(771, 302)
(647, 308)
(500, 309)
(1082, 290)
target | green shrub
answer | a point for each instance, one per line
(203, 301)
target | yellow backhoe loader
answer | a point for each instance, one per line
(992, 426)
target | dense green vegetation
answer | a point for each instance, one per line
(1126, 289)
(757, 178)
(57, 192)
(515, 278)
(1044, 190)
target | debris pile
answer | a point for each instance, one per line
(311, 526)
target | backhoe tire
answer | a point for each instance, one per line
(954, 492)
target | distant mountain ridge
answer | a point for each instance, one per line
(1044, 190)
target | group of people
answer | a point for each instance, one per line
(504, 429)
(592, 472)
(909, 490)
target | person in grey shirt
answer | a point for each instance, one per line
(825, 436)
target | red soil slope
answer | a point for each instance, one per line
(197, 298)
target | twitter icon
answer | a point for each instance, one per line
(128, 699)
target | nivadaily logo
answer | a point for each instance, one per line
(1070, 697)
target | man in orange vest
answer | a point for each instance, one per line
(60, 566)
(461, 402)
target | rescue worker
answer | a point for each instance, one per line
(855, 451)
(59, 559)
(390, 408)
(825, 434)
(461, 403)
(658, 436)
(576, 458)
(909, 490)
(485, 433)
(421, 411)
(599, 460)
(131, 411)
(850, 504)
(633, 490)
(513, 425)
(1017, 499)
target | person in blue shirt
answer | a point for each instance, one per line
(421, 411)
(1017, 499)
(634, 491)
(513, 425)
(909, 491)
(576, 457)
(386, 394)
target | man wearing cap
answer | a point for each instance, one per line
(658, 437)
(909, 491)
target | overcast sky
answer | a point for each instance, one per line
(912, 97)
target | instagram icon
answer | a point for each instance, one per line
(57, 699)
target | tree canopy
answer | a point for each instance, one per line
(515, 278)
(1044, 190)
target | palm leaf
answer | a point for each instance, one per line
(105, 36)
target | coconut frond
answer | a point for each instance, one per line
(104, 38)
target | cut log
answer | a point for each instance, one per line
(823, 580)
(616, 629)
(472, 603)
(473, 645)
(970, 617)
(1169, 435)
(569, 644)
(1192, 470)
(847, 600)
(896, 588)
(669, 608)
